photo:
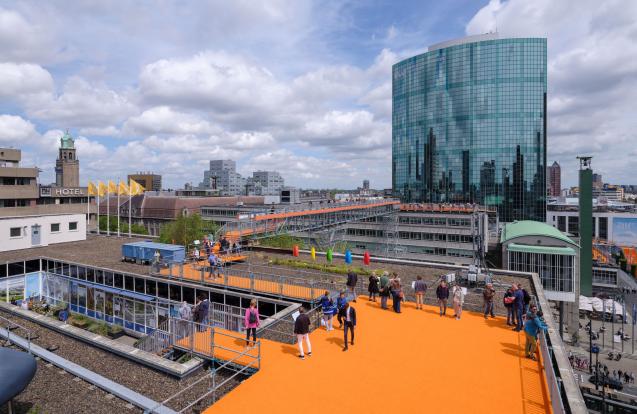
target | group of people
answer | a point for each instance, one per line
(386, 287)
(199, 313)
(516, 301)
(457, 295)
(345, 314)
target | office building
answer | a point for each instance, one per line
(67, 166)
(264, 183)
(598, 182)
(609, 191)
(554, 180)
(148, 180)
(223, 176)
(19, 184)
(469, 125)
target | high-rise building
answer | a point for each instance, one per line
(469, 125)
(555, 180)
(365, 184)
(223, 176)
(598, 182)
(67, 166)
(148, 180)
(264, 183)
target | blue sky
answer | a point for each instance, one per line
(302, 87)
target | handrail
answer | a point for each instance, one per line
(10, 324)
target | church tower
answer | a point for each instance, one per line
(67, 167)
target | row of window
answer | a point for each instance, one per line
(55, 228)
(435, 221)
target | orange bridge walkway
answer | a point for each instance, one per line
(414, 362)
(193, 273)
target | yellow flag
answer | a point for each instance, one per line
(136, 188)
(101, 189)
(92, 189)
(123, 188)
(112, 188)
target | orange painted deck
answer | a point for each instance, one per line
(192, 272)
(414, 362)
(228, 346)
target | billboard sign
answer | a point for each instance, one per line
(625, 231)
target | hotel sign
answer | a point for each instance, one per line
(63, 191)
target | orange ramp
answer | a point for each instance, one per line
(413, 362)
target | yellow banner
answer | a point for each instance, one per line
(92, 189)
(101, 189)
(112, 188)
(122, 189)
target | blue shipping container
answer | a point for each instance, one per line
(145, 251)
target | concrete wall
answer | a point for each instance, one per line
(25, 240)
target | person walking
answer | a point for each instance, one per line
(397, 293)
(204, 307)
(488, 294)
(458, 300)
(340, 304)
(532, 327)
(349, 317)
(442, 293)
(195, 254)
(185, 314)
(518, 307)
(373, 287)
(352, 280)
(252, 322)
(302, 332)
(384, 290)
(420, 287)
(508, 300)
(526, 299)
(327, 306)
(212, 261)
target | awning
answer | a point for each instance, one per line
(585, 304)
(527, 248)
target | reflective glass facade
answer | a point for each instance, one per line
(469, 126)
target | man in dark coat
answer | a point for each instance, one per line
(348, 314)
(352, 279)
(302, 332)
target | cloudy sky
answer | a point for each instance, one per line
(300, 86)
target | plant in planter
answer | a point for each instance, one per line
(115, 331)
(99, 328)
(79, 321)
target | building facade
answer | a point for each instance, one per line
(554, 180)
(264, 183)
(469, 125)
(24, 232)
(148, 180)
(19, 185)
(67, 166)
(223, 176)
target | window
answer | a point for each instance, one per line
(15, 232)
(55, 227)
(73, 226)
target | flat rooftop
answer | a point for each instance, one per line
(415, 361)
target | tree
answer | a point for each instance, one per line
(186, 229)
(135, 228)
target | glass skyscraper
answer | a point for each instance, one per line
(469, 125)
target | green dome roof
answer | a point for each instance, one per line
(67, 141)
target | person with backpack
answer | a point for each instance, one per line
(252, 322)
(442, 293)
(508, 300)
(328, 308)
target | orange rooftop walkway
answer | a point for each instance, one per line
(413, 362)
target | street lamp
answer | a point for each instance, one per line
(595, 350)
(590, 344)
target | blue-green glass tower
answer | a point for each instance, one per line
(469, 125)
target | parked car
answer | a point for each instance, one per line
(608, 382)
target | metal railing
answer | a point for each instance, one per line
(158, 341)
(9, 325)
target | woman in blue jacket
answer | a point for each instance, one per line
(327, 305)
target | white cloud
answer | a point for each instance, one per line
(83, 105)
(592, 75)
(22, 41)
(16, 131)
(165, 120)
(24, 81)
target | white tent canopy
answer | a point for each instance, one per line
(585, 304)
(599, 305)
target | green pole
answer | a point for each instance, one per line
(586, 230)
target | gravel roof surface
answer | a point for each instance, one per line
(144, 380)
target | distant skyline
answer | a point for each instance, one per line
(299, 87)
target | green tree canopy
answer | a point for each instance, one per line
(185, 229)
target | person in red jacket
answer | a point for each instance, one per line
(251, 322)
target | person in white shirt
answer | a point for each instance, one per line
(458, 300)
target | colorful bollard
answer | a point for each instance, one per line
(348, 256)
(367, 258)
(295, 251)
(313, 253)
(328, 255)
